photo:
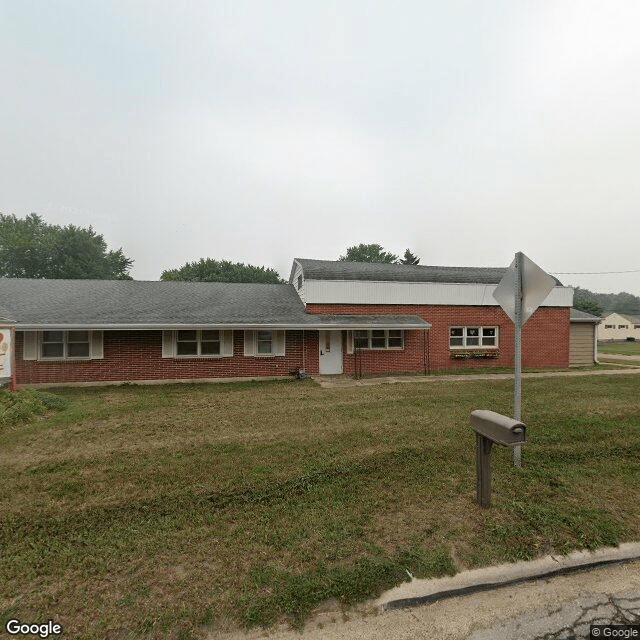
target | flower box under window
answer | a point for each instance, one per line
(485, 353)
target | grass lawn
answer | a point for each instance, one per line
(623, 348)
(164, 511)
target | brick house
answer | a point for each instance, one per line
(331, 318)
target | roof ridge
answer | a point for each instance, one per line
(74, 280)
(395, 264)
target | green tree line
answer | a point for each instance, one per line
(32, 248)
(597, 303)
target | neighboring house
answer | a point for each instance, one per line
(332, 317)
(618, 326)
(583, 343)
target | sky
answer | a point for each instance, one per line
(261, 131)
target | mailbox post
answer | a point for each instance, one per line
(492, 427)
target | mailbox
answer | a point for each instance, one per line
(490, 428)
(498, 428)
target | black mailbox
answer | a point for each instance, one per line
(498, 428)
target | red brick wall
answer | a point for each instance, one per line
(137, 355)
(545, 338)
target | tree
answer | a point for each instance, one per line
(409, 258)
(31, 248)
(368, 253)
(622, 302)
(586, 303)
(210, 270)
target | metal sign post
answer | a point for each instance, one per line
(517, 347)
(522, 289)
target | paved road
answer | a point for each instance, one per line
(558, 608)
(568, 621)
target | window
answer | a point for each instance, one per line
(198, 343)
(262, 343)
(361, 339)
(64, 345)
(378, 339)
(463, 337)
(609, 326)
(636, 326)
(623, 326)
(299, 283)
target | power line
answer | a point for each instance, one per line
(590, 273)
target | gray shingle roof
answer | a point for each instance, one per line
(381, 272)
(137, 304)
(575, 315)
(626, 316)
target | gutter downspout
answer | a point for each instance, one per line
(13, 385)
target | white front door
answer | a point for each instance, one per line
(330, 352)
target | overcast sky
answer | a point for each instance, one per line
(262, 131)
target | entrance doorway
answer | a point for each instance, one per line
(330, 352)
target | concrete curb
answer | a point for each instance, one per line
(419, 592)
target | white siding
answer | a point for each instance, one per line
(581, 348)
(615, 333)
(361, 292)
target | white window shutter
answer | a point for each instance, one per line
(30, 345)
(249, 343)
(278, 343)
(349, 341)
(227, 343)
(167, 344)
(97, 350)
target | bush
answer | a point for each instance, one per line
(20, 406)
